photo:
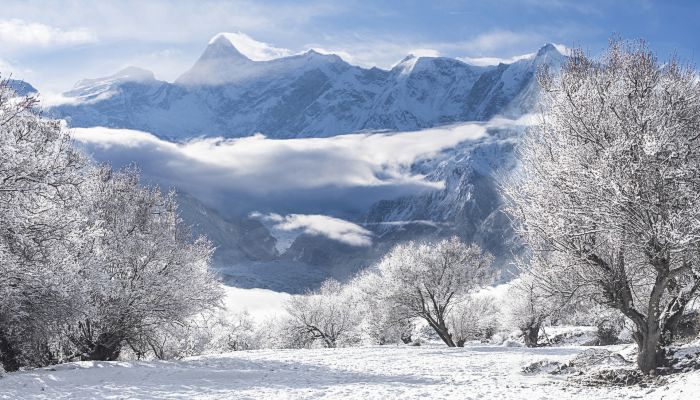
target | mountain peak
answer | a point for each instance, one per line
(21, 87)
(548, 48)
(221, 62)
(222, 48)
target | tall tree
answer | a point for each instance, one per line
(145, 269)
(40, 179)
(608, 194)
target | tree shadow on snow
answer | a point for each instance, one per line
(209, 377)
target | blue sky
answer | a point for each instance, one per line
(52, 44)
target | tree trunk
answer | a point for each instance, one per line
(406, 338)
(107, 347)
(651, 355)
(441, 329)
(8, 355)
(460, 342)
(330, 343)
(531, 335)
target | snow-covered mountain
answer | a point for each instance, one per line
(468, 206)
(227, 94)
(306, 95)
(20, 87)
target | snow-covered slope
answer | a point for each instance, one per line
(20, 87)
(311, 94)
(467, 206)
(236, 239)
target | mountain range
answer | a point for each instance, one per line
(226, 94)
(307, 95)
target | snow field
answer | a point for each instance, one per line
(379, 372)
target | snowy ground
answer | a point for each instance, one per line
(387, 372)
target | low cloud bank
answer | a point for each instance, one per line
(340, 175)
(322, 225)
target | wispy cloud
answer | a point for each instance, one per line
(17, 33)
(495, 41)
(369, 51)
(253, 49)
(322, 225)
(484, 61)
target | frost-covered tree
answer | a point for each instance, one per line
(527, 307)
(609, 188)
(426, 280)
(328, 315)
(145, 269)
(89, 260)
(40, 225)
(383, 321)
(474, 317)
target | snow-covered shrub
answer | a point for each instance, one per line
(527, 307)
(89, 259)
(241, 333)
(382, 321)
(276, 333)
(327, 316)
(144, 270)
(476, 317)
(609, 324)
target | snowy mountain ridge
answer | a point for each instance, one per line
(227, 94)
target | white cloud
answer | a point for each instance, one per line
(484, 61)
(322, 225)
(6, 68)
(51, 99)
(563, 49)
(253, 49)
(273, 165)
(20, 33)
(424, 52)
(495, 40)
(340, 174)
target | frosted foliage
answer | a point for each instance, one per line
(527, 306)
(145, 268)
(608, 195)
(426, 280)
(327, 317)
(383, 321)
(473, 318)
(40, 177)
(89, 260)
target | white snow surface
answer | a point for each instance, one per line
(262, 303)
(380, 372)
